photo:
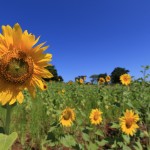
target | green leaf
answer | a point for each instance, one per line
(125, 147)
(115, 125)
(85, 137)
(120, 144)
(114, 145)
(92, 146)
(99, 132)
(130, 104)
(6, 141)
(102, 142)
(52, 128)
(126, 138)
(68, 141)
(138, 146)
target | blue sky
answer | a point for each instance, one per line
(87, 36)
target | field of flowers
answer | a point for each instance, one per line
(80, 116)
(65, 116)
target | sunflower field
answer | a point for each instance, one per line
(35, 115)
(80, 116)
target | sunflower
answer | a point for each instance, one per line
(107, 78)
(125, 79)
(81, 81)
(67, 117)
(101, 80)
(22, 64)
(70, 82)
(95, 116)
(128, 122)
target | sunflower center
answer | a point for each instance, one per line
(125, 79)
(129, 122)
(96, 116)
(16, 67)
(67, 115)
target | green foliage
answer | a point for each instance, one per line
(6, 141)
(68, 141)
(116, 73)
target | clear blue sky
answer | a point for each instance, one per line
(87, 36)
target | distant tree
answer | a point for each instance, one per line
(116, 73)
(102, 75)
(53, 71)
(60, 79)
(94, 78)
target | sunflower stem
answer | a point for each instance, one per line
(8, 116)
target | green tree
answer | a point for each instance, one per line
(94, 78)
(81, 77)
(116, 73)
(102, 75)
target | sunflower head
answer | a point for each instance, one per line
(22, 64)
(128, 122)
(70, 82)
(67, 117)
(16, 67)
(101, 80)
(107, 78)
(81, 81)
(95, 116)
(125, 79)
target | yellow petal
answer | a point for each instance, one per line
(7, 32)
(46, 58)
(20, 97)
(17, 35)
(28, 41)
(13, 100)
(37, 81)
(44, 73)
(5, 97)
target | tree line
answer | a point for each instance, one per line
(115, 75)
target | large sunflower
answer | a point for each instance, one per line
(125, 79)
(67, 117)
(95, 116)
(128, 122)
(22, 64)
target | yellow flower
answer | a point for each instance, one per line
(128, 122)
(125, 79)
(70, 82)
(108, 78)
(95, 116)
(22, 64)
(67, 117)
(81, 81)
(101, 80)
(63, 91)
